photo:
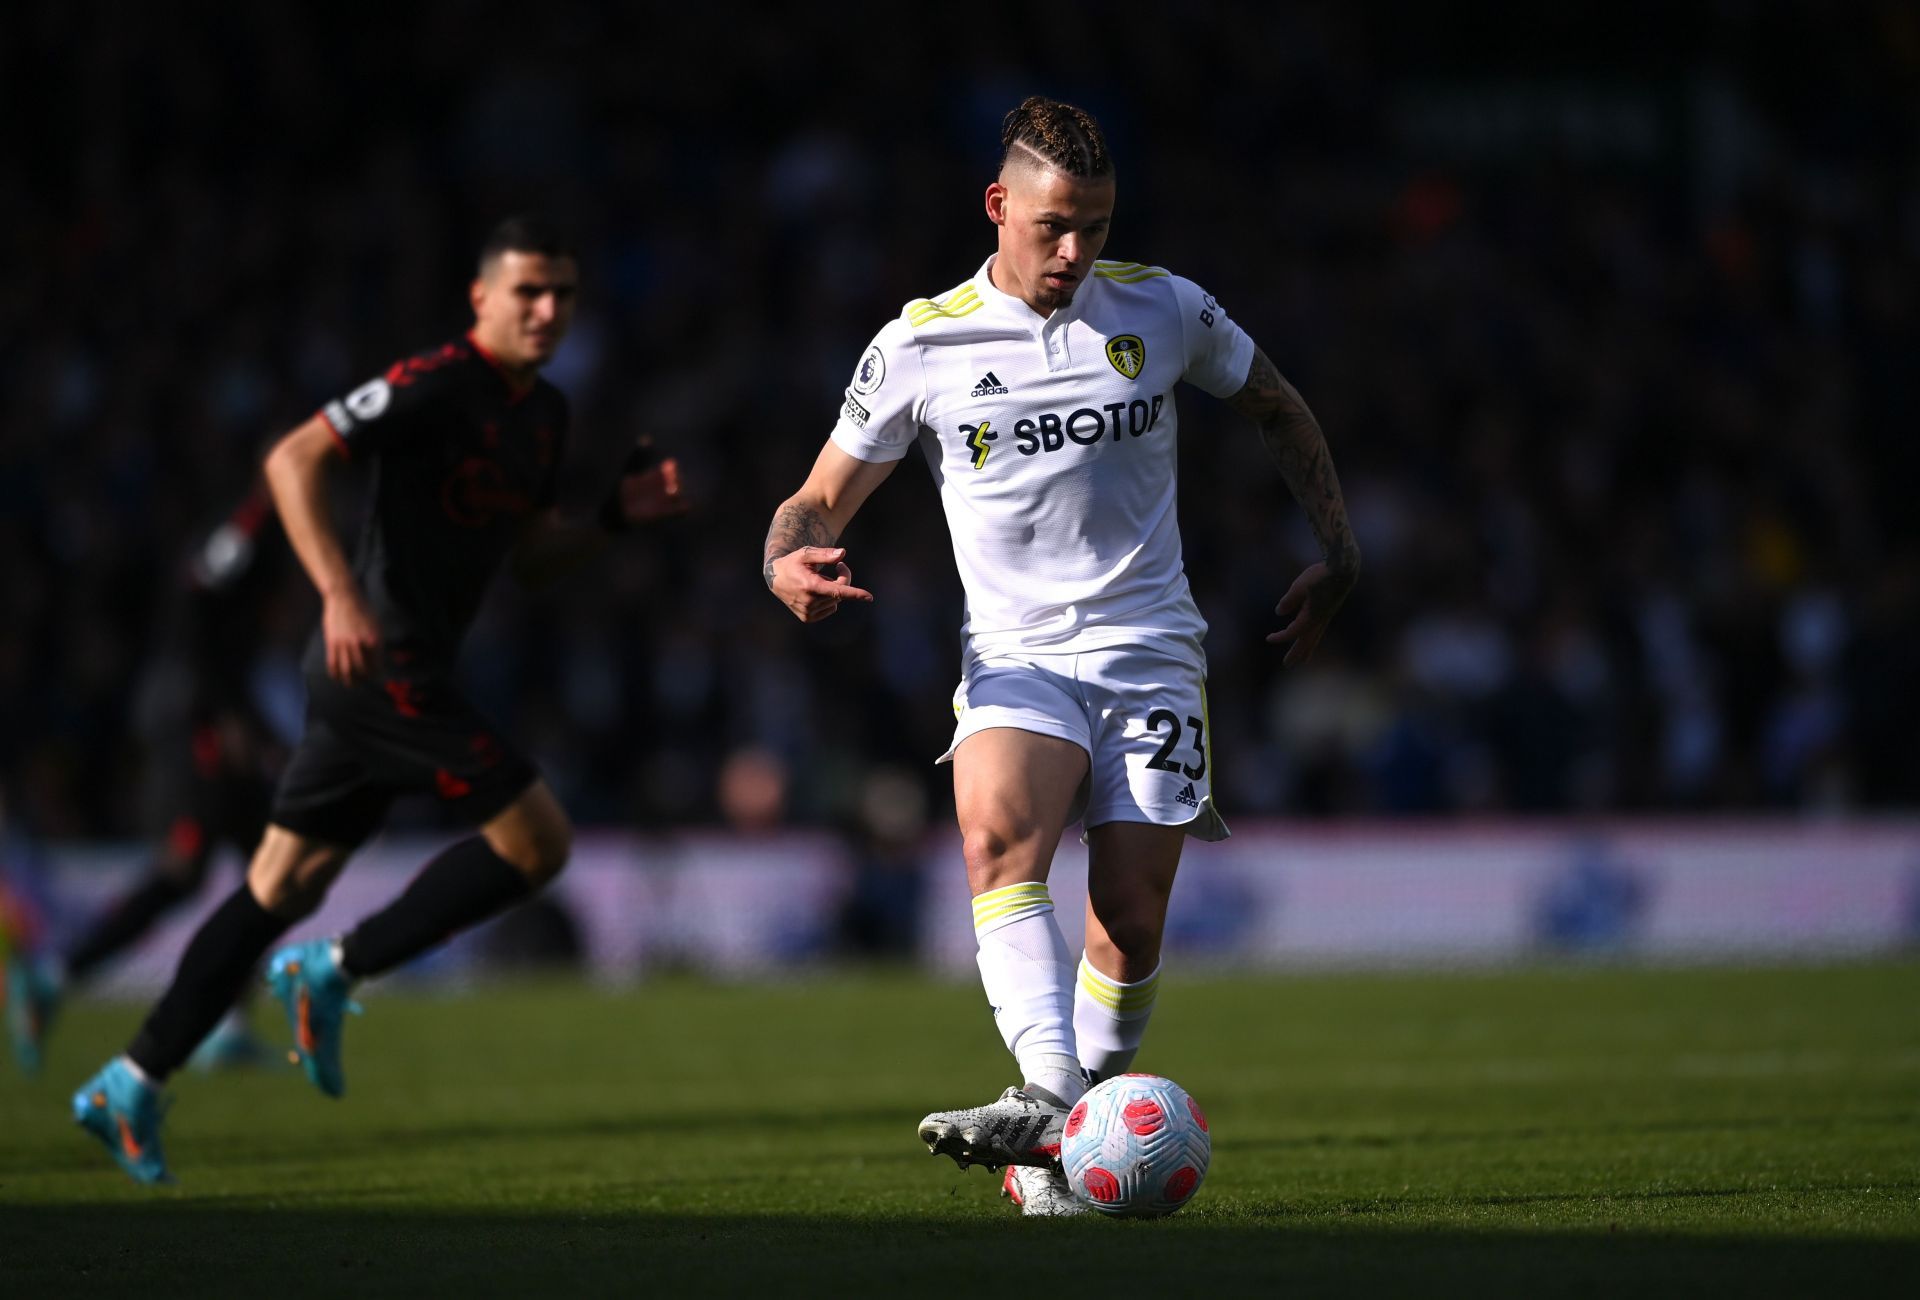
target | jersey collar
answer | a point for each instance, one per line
(983, 281)
(516, 390)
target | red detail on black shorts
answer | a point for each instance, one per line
(1101, 1185)
(1181, 1185)
(1077, 1120)
(1193, 1108)
(450, 786)
(1144, 1117)
(186, 838)
(484, 748)
(405, 697)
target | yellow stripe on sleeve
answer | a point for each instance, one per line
(961, 302)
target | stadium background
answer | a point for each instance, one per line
(1609, 315)
(1609, 312)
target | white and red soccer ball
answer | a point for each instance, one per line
(1136, 1146)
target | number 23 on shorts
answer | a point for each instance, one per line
(1165, 759)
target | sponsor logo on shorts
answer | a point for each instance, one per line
(1187, 796)
(857, 414)
(1128, 354)
(871, 373)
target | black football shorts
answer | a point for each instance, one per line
(368, 743)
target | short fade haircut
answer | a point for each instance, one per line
(1056, 135)
(525, 233)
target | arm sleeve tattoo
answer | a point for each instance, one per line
(1294, 439)
(794, 526)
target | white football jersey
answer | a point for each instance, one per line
(1052, 442)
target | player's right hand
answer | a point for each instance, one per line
(813, 580)
(352, 636)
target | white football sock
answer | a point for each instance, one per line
(1110, 1019)
(1028, 975)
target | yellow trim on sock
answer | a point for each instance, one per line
(1002, 904)
(1115, 996)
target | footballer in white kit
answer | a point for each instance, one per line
(1042, 392)
(1053, 441)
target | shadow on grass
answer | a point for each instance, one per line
(245, 1149)
(196, 1249)
(1540, 1132)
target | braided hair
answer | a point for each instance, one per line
(1051, 134)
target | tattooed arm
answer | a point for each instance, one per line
(801, 565)
(1294, 439)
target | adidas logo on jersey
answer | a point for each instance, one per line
(989, 386)
(1188, 797)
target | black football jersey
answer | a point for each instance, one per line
(460, 460)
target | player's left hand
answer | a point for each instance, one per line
(1311, 602)
(653, 494)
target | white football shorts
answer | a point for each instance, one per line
(1140, 714)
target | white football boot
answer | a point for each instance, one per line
(1018, 1129)
(1040, 1192)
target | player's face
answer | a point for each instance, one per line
(522, 306)
(1052, 227)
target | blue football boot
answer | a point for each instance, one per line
(232, 1045)
(33, 995)
(125, 1115)
(313, 989)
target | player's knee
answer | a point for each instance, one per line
(290, 876)
(288, 896)
(553, 847)
(995, 857)
(539, 851)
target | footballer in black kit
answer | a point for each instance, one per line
(460, 459)
(219, 768)
(464, 444)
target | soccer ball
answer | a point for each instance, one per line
(1136, 1146)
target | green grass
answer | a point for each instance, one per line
(1568, 1132)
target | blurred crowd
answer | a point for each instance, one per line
(1611, 326)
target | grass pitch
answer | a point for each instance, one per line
(1549, 1132)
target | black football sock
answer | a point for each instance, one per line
(465, 885)
(125, 921)
(212, 970)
